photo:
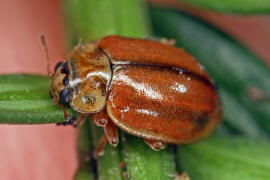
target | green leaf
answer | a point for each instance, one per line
(238, 118)
(25, 99)
(234, 68)
(225, 158)
(233, 6)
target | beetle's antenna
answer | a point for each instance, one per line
(43, 40)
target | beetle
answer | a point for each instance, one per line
(147, 88)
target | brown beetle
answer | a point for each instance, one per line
(147, 88)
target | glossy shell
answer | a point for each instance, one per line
(158, 91)
(147, 88)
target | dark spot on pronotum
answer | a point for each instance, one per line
(64, 96)
(88, 99)
(57, 66)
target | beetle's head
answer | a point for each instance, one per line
(60, 88)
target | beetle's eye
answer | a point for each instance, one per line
(57, 66)
(64, 96)
(64, 68)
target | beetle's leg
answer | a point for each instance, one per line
(111, 133)
(155, 144)
(79, 120)
(100, 118)
(74, 121)
(169, 42)
(184, 176)
(67, 122)
(99, 150)
(68, 119)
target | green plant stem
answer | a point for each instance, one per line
(143, 163)
(84, 149)
(233, 6)
(92, 19)
(108, 165)
(25, 99)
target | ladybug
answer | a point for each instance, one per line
(147, 88)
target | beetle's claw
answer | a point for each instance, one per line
(155, 144)
(72, 120)
(62, 123)
(68, 121)
(111, 133)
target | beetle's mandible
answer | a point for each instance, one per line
(146, 88)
